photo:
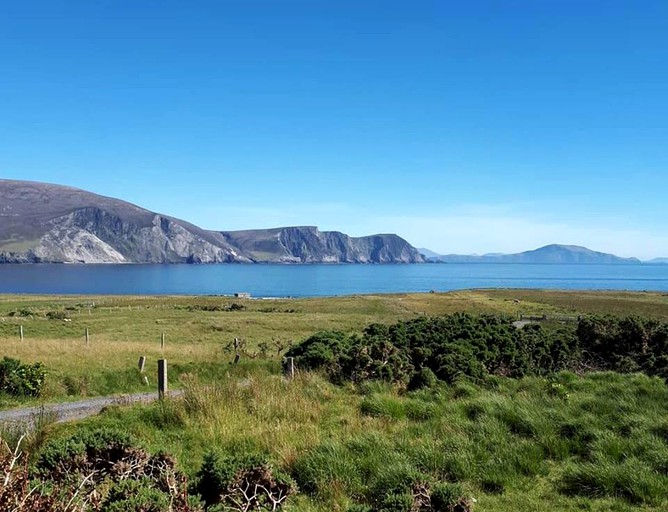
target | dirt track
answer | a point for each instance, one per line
(69, 411)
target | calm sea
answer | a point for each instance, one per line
(321, 280)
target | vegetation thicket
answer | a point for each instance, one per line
(418, 352)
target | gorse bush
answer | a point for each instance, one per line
(419, 352)
(241, 482)
(112, 473)
(19, 379)
(626, 345)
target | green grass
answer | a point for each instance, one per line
(512, 445)
(571, 443)
(123, 328)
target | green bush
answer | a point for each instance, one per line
(223, 480)
(84, 452)
(420, 351)
(135, 496)
(56, 315)
(19, 379)
(423, 378)
(625, 345)
(321, 350)
(445, 497)
(96, 460)
(396, 502)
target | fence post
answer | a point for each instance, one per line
(162, 341)
(87, 337)
(162, 378)
(289, 368)
(21, 332)
(141, 363)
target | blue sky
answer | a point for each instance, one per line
(481, 126)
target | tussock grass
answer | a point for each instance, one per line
(512, 445)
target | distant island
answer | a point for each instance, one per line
(45, 223)
(549, 254)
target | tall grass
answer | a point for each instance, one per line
(198, 329)
(513, 445)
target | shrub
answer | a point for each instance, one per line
(446, 497)
(56, 315)
(242, 482)
(322, 349)
(85, 452)
(626, 345)
(420, 351)
(19, 379)
(92, 470)
(393, 502)
(423, 378)
(92, 459)
(135, 496)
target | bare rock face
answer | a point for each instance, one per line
(51, 223)
(310, 245)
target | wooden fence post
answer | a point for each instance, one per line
(87, 336)
(162, 378)
(162, 341)
(21, 332)
(289, 368)
(141, 363)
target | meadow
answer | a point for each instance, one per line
(596, 441)
(199, 330)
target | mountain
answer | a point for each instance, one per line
(554, 253)
(658, 260)
(307, 244)
(41, 222)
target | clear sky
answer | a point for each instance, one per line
(463, 126)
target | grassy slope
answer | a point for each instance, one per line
(517, 447)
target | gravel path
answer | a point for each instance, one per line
(69, 411)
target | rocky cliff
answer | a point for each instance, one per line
(308, 244)
(51, 223)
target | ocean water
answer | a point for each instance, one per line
(322, 280)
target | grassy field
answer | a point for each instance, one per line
(198, 329)
(601, 445)
(597, 442)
